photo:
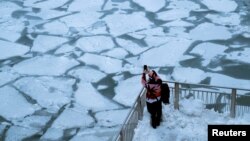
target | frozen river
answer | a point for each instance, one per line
(71, 69)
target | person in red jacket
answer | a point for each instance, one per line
(153, 95)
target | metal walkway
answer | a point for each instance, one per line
(234, 101)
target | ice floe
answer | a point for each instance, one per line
(13, 105)
(9, 49)
(178, 23)
(86, 95)
(221, 5)
(48, 92)
(130, 46)
(90, 138)
(241, 56)
(45, 65)
(56, 28)
(209, 51)
(225, 19)
(47, 14)
(118, 53)
(33, 121)
(87, 74)
(126, 22)
(181, 74)
(168, 54)
(183, 4)
(7, 76)
(16, 133)
(111, 118)
(66, 48)
(151, 5)
(12, 36)
(173, 14)
(6, 9)
(81, 20)
(215, 32)
(121, 5)
(127, 90)
(44, 43)
(86, 5)
(224, 80)
(95, 43)
(81, 119)
(53, 134)
(49, 4)
(106, 64)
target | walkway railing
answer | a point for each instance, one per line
(234, 101)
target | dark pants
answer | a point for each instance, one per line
(155, 110)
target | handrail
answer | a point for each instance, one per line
(206, 85)
(117, 138)
(176, 91)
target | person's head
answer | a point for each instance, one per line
(152, 74)
(153, 77)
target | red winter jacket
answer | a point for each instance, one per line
(153, 89)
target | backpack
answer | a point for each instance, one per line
(165, 93)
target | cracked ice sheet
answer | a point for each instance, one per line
(178, 23)
(126, 22)
(221, 5)
(6, 75)
(118, 53)
(95, 43)
(47, 14)
(13, 105)
(44, 43)
(119, 5)
(81, 20)
(183, 4)
(89, 138)
(168, 54)
(111, 118)
(197, 75)
(33, 121)
(88, 97)
(151, 5)
(215, 32)
(173, 14)
(227, 81)
(12, 36)
(87, 74)
(97, 133)
(45, 65)
(130, 46)
(9, 49)
(241, 56)
(225, 19)
(16, 133)
(81, 119)
(128, 90)
(106, 64)
(208, 51)
(27, 127)
(6, 9)
(86, 5)
(54, 28)
(52, 134)
(49, 92)
(48, 4)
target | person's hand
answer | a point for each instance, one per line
(145, 71)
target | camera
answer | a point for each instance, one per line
(145, 68)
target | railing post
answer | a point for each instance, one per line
(176, 96)
(233, 103)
